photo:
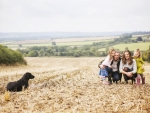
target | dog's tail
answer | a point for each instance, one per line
(7, 96)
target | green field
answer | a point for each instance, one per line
(79, 43)
(142, 46)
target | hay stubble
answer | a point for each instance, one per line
(71, 85)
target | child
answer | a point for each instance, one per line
(140, 66)
(105, 67)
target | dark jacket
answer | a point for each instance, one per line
(118, 64)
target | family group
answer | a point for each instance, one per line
(116, 65)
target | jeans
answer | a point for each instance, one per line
(103, 72)
(116, 76)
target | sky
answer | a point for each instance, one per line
(74, 15)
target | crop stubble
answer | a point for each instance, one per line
(71, 85)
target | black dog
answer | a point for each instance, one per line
(18, 85)
(129, 78)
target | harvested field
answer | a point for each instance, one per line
(32, 41)
(85, 39)
(71, 85)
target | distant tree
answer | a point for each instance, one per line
(62, 49)
(53, 43)
(116, 39)
(84, 53)
(25, 55)
(135, 41)
(32, 54)
(75, 47)
(86, 47)
(50, 51)
(97, 53)
(41, 52)
(71, 52)
(76, 54)
(103, 54)
(20, 45)
(34, 48)
(94, 44)
(126, 35)
(93, 49)
(107, 49)
(139, 39)
(62, 54)
(90, 53)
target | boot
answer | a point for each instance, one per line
(143, 80)
(138, 80)
(109, 79)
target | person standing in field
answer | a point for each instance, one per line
(128, 66)
(140, 66)
(105, 67)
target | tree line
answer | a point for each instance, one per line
(10, 57)
(73, 51)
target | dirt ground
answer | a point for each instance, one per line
(71, 85)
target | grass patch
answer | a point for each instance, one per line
(78, 43)
(142, 46)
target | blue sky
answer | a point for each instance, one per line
(74, 15)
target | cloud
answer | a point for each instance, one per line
(74, 15)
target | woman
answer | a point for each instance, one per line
(128, 66)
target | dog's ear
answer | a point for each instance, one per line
(27, 75)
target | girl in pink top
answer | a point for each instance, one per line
(106, 65)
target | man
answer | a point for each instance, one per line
(116, 75)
